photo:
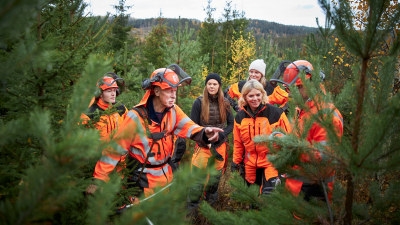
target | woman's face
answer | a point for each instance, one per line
(255, 75)
(253, 98)
(109, 95)
(212, 86)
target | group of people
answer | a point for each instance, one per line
(147, 134)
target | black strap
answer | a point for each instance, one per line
(155, 136)
(143, 113)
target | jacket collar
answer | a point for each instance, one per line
(102, 104)
(260, 108)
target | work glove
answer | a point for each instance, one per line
(235, 167)
(238, 168)
(174, 165)
(241, 170)
(275, 181)
(269, 186)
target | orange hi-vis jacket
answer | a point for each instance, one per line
(153, 156)
(316, 134)
(276, 95)
(106, 123)
(247, 125)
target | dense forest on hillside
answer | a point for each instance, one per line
(261, 27)
(284, 35)
(52, 56)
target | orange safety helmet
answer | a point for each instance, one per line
(291, 75)
(167, 78)
(105, 83)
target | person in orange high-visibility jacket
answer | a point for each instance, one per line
(104, 113)
(256, 117)
(146, 136)
(276, 95)
(316, 134)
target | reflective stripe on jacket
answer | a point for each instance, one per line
(132, 139)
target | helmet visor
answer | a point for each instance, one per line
(108, 82)
(280, 69)
(184, 78)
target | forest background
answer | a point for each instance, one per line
(52, 54)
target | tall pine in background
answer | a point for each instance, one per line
(185, 51)
(44, 61)
(369, 158)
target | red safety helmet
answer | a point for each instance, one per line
(105, 83)
(170, 77)
(291, 75)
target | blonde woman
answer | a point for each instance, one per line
(256, 117)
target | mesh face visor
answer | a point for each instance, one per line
(171, 77)
(292, 74)
(119, 80)
(280, 69)
(275, 79)
(107, 82)
(184, 78)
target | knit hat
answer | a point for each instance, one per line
(214, 76)
(258, 65)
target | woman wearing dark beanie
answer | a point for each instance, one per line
(210, 109)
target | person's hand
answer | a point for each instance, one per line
(238, 168)
(91, 189)
(234, 167)
(213, 133)
(275, 181)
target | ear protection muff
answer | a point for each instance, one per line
(146, 84)
(162, 75)
(276, 77)
(306, 69)
(98, 90)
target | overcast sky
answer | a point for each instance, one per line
(288, 12)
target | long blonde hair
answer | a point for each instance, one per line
(205, 104)
(247, 87)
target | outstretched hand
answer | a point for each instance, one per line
(213, 133)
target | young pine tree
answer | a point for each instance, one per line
(366, 158)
